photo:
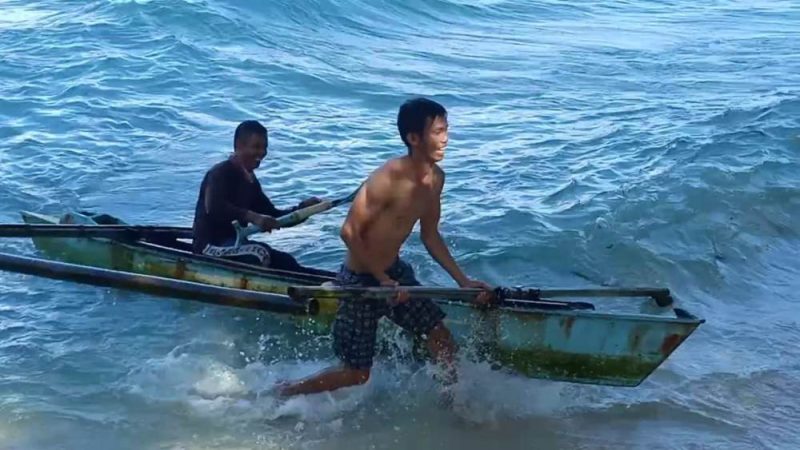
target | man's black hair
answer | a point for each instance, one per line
(248, 128)
(414, 115)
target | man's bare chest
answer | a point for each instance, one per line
(410, 207)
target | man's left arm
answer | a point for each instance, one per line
(429, 230)
(265, 206)
(432, 239)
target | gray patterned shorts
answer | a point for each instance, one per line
(356, 325)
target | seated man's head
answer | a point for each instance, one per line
(250, 143)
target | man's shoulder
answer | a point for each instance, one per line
(222, 166)
(224, 169)
(389, 169)
(394, 164)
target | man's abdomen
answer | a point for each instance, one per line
(382, 244)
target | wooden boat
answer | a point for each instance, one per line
(554, 340)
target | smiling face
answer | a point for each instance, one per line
(432, 142)
(422, 124)
(250, 143)
(251, 150)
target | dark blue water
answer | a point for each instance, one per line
(622, 143)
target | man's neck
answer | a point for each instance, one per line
(249, 175)
(421, 166)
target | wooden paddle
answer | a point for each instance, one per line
(138, 232)
(294, 218)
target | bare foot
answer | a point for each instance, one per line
(446, 398)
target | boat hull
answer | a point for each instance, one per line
(564, 345)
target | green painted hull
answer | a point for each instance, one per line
(575, 346)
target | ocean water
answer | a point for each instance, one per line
(627, 143)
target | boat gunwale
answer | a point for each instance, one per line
(286, 276)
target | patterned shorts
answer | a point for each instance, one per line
(251, 253)
(356, 325)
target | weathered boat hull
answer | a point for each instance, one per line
(575, 346)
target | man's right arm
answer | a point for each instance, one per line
(217, 203)
(371, 200)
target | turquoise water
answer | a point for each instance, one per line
(629, 143)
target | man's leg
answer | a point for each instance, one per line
(283, 261)
(327, 380)
(261, 254)
(423, 317)
(256, 254)
(443, 349)
(354, 333)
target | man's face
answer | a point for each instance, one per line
(251, 150)
(433, 140)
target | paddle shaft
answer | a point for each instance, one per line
(164, 287)
(449, 294)
(138, 232)
(293, 218)
(660, 295)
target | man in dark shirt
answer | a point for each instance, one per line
(230, 191)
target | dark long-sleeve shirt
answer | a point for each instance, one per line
(226, 195)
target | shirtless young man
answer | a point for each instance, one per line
(397, 195)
